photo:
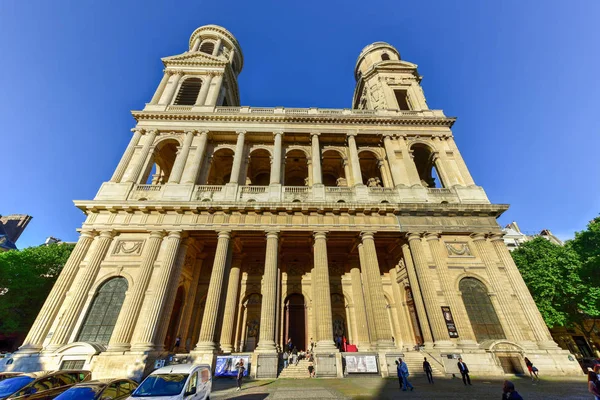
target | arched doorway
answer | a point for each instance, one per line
(295, 320)
(296, 168)
(174, 320)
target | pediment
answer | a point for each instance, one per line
(194, 58)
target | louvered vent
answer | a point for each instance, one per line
(207, 47)
(189, 92)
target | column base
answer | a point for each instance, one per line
(30, 348)
(443, 344)
(206, 347)
(118, 347)
(325, 346)
(467, 344)
(227, 348)
(146, 347)
(266, 348)
(548, 345)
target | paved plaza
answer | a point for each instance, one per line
(378, 388)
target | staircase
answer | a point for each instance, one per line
(414, 361)
(299, 371)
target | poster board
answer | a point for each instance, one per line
(449, 320)
(225, 365)
(360, 364)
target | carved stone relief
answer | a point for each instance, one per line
(128, 247)
(458, 249)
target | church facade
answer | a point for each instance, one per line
(228, 229)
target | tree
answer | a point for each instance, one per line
(26, 278)
(587, 246)
(556, 279)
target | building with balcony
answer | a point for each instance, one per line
(228, 229)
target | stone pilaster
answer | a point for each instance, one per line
(238, 157)
(73, 305)
(206, 341)
(432, 305)
(465, 333)
(167, 97)
(181, 159)
(276, 162)
(266, 341)
(322, 295)
(354, 160)
(125, 325)
(316, 159)
(381, 332)
(532, 314)
(203, 93)
(216, 89)
(217, 47)
(141, 161)
(43, 322)
(146, 334)
(362, 327)
(397, 173)
(126, 159)
(231, 301)
(161, 87)
(415, 288)
(190, 175)
(196, 45)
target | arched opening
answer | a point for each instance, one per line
(251, 327)
(333, 169)
(295, 321)
(370, 169)
(207, 47)
(296, 168)
(385, 57)
(188, 92)
(104, 310)
(172, 333)
(424, 160)
(259, 168)
(220, 167)
(481, 312)
(414, 318)
(159, 168)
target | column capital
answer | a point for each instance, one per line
(109, 234)
(351, 134)
(367, 235)
(413, 236)
(274, 233)
(180, 73)
(476, 237)
(138, 129)
(432, 236)
(151, 131)
(168, 71)
(240, 132)
(202, 132)
(320, 235)
(315, 134)
(191, 132)
(175, 234)
(496, 237)
(275, 133)
(88, 233)
(157, 234)
(224, 234)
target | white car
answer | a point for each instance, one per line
(176, 382)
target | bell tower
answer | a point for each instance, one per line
(203, 77)
(385, 82)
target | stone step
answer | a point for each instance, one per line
(414, 361)
(299, 371)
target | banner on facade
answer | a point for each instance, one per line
(361, 364)
(226, 365)
(449, 322)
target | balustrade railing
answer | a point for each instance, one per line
(439, 191)
(295, 189)
(338, 189)
(209, 188)
(381, 190)
(148, 188)
(179, 108)
(254, 189)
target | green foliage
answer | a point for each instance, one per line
(26, 277)
(555, 277)
(587, 246)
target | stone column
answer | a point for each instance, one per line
(266, 340)
(143, 156)
(126, 158)
(381, 332)
(384, 174)
(347, 173)
(181, 159)
(206, 342)
(354, 160)
(276, 164)
(238, 157)
(216, 89)
(532, 314)
(362, 327)
(146, 333)
(322, 296)
(465, 333)
(390, 153)
(417, 296)
(125, 325)
(167, 97)
(161, 87)
(432, 305)
(191, 174)
(316, 159)
(217, 47)
(43, 322)
(367, 294)
(231, 301)
(73, 305)
(186, 325)
(203, 93)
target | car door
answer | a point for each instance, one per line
(111, 392)
(205, 383)
(125, 389)
(40, 389)
(62, 383)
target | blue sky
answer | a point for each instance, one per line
(522, 78)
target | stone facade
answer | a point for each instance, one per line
(228, 229)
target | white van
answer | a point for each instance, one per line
(176, 382)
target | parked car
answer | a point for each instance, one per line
(175, 382)
(103, 389)
(41, 385)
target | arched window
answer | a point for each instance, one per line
(480, 310)
(188, 93)
(424, 160)
(207, 47)
(385, 57)
(102, 315)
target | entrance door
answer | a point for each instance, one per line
(511, 363)
(295, 321)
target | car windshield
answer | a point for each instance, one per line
(161, 385)
(11, 385)
(80, 393)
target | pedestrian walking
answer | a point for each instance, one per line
(403, 374)
(312, 345)
(285, 356)
(311, 366)
(464, 371)
(594, 384)
(509, 392)
(177, 342)
(427, 370)
(240, 373)
(289, 344)
(533, 371)
(295, 356)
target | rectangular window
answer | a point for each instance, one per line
(72, 364)
(402, 99)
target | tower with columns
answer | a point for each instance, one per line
(229, 229)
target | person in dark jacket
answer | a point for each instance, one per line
(509, 392)
(464, 371)
(427, 370)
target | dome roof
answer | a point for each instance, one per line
(219, 31)
(373, 47)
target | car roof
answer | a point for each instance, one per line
(42, 374)
(179, 369)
